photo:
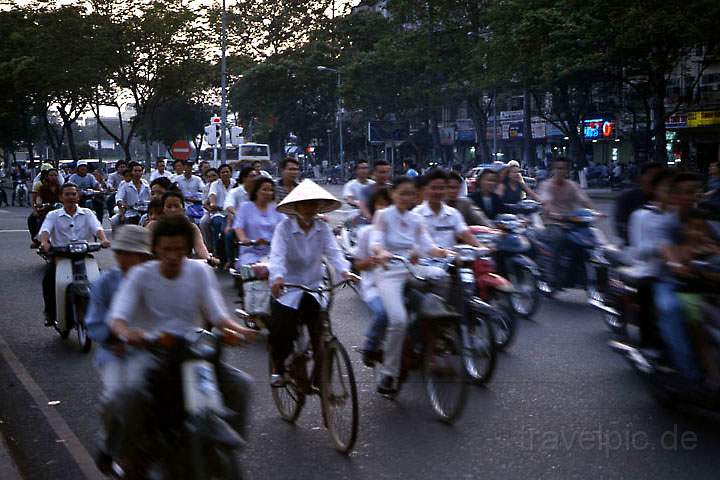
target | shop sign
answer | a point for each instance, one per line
(508, 116)
(598, 128)
(447, 135)
(679, 120)
(512, 130)
(703, 119)
(538, 128)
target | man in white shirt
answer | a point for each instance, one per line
(352, 189)
(128, 196)
(60, 228)
(172, 294)
(222, 242)
(160, 170)
(190, 185)
(444, 224)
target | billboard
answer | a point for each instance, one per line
(381, 132)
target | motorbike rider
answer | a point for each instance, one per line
(289, 173)
(84, 181)
(113, 183)
(631, 200)
(351, 191)
(190, 185)
(19, 176)
(513, 188)
(685, 189)
(454, 198)
(160, 170)
(399, 231)
(559, 196)
(382, 173)
(366, 262)
(297, 249)
(485, 197)
(129, 194)
(219, 189)
(158, 187)
(47, 192)
(163, 296)
(173, 204)
(44, 167)
(444, 223)
(62, 227)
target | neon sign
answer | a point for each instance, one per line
(598, 128)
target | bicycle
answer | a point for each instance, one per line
(337, 389)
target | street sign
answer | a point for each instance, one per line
(181, 150)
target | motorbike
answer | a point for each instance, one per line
(133, 214)
(513, 260)
(92, 199)
(194, 210)
(75, 270)
(433, 344)
(21, 194)
(666, 384)
(188, 436)
(582, 264)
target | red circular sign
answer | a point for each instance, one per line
(181, 150)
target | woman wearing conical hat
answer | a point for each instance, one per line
(300, 243)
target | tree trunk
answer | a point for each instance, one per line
(577, 149)
(659, 119)
(528, 156)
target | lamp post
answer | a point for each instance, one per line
(340, 118)
(223, 87)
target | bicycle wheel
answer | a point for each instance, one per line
(289, 401)
(339, 396)
(444, 373)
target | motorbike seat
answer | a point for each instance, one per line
(631, 276)
(433, 307)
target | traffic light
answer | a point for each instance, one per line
(236, 137)
(211, 134)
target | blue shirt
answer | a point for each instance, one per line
(256, 225)
(101, 296)
(86, 182)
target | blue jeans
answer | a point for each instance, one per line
(671, 323)
(378, 323)
(220, 238)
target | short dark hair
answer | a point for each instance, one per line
(203, 161)
(67, 185)
(120, 162)
(377, 194)
(436, 174)
(155, 205)
(257, 184)
(132, 165)
(159, 161)
(173, 194)
(486, 171)
(381, 163)
(650, 166)
(560, 159)
(244, 173)
(683, 177)
(286, 160)
(212, 169)
(174, 226)
(453, 175)
(402, 179)
(177, 160)
(164, 182)
(224, 165)
(360, 162)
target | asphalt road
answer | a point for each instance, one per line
(561, 404)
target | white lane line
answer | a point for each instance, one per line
(76, 449)
(14, 231)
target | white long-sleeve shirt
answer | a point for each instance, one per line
(297, 257)
(218, 189)
(400, 233)
(192, 188)
(443, 227)
(235, 198)
(129, 194)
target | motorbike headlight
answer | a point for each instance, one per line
(77, 248)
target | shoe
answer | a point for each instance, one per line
(49, 321)
(371, 357)
(387, 385)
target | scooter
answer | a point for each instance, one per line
(75, 270)
(88, 200)
(582, 263)
(21, 194)
(188, 436)
(666, 384)
(512, 255)
(195, 211)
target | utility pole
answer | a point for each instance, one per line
(339, 118)
(223, 87)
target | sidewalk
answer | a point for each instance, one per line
(8, 469)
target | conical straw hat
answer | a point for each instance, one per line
(309, 190)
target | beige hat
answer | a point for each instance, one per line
(46, 166)
(309, 190)
(513, 163)
(132, 238)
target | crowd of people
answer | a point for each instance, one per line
(246, 218)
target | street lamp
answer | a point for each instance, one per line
(340, 117)
(223, 87)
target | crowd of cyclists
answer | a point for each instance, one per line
(230, 219)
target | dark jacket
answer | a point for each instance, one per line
(496, 205)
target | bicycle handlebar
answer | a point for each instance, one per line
(307, 289)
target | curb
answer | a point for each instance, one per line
(8, 469)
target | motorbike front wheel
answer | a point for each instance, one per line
(526, 298)
(479, 353)
(502, 321)
(79, 309)
(444, 373)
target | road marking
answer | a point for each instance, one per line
(14, 231)
(63, 431)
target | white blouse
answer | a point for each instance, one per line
(400, 233)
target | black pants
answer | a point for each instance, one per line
(33, 223)
(49, 290)
(555, 239)
(284, 328)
